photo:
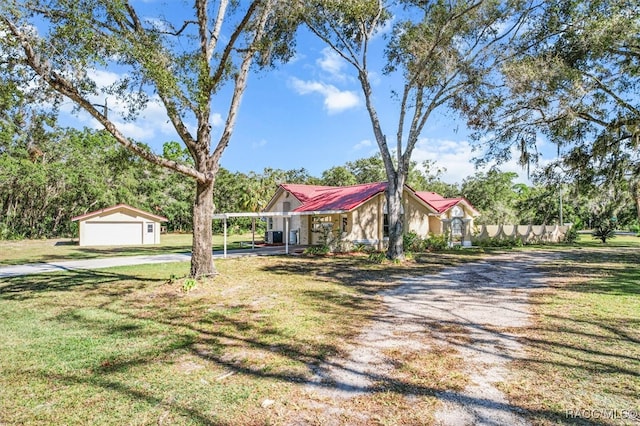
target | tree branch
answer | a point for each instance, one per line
(66, 88)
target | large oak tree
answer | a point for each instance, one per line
(436, 52)
(572, 80)
(183, 61)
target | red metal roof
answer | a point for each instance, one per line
(438, 202)
(346, 198)
(116, 207)
(332, 198)
(305, 192)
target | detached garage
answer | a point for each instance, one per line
(120, 225)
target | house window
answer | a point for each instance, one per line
(345, 223)
(150, 228)
(385, 226)
(320, 222)
(270, 224)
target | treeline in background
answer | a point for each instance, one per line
(68, 172)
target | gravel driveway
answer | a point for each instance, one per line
(475, 299)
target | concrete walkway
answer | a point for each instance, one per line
(109, 262)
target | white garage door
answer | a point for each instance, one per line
(112, 233)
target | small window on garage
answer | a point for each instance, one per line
(149, 228)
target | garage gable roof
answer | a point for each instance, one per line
(120, 207)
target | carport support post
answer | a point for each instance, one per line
(286, 235)
(224, 243)
(253, 233)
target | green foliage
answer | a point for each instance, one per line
(338, 176)
(189, 284)
(377, 257)
(604, 230)
(66, 173)
(370, 169)
(500, 206)
(572, 80)
(416, 244)
(361, 248)
(317, 250)
(172, 279)
(437, 242)
(411, 241)
(571, 236)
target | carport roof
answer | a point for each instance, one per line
(111, 209)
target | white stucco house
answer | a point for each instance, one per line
(359, 214)
(119, 225)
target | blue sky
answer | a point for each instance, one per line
(308, 113)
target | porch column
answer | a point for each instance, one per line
(286, 235)
(381, 200)
(446, 229)
(466, 233)
(253, 233)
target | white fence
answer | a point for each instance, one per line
(529, 234)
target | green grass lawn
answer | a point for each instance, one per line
(582, 363)
(586, 240)
(124, 346)
(33, 251)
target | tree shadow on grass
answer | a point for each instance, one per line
(30, 286)
(182, 408)
(358, 273)
(213, 335)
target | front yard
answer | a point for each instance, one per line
(125, 346)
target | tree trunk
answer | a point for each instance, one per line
(394, 209)
(201, 251)
(635, 193)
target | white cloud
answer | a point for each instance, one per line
(103, 78)
(366, 143)
(216, 120)
(332, 63)
(152, 125)
(457, 158)
(385, 28)
(335, 100)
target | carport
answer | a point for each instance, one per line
(286, 215)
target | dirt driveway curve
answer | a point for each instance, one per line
(476, 300)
